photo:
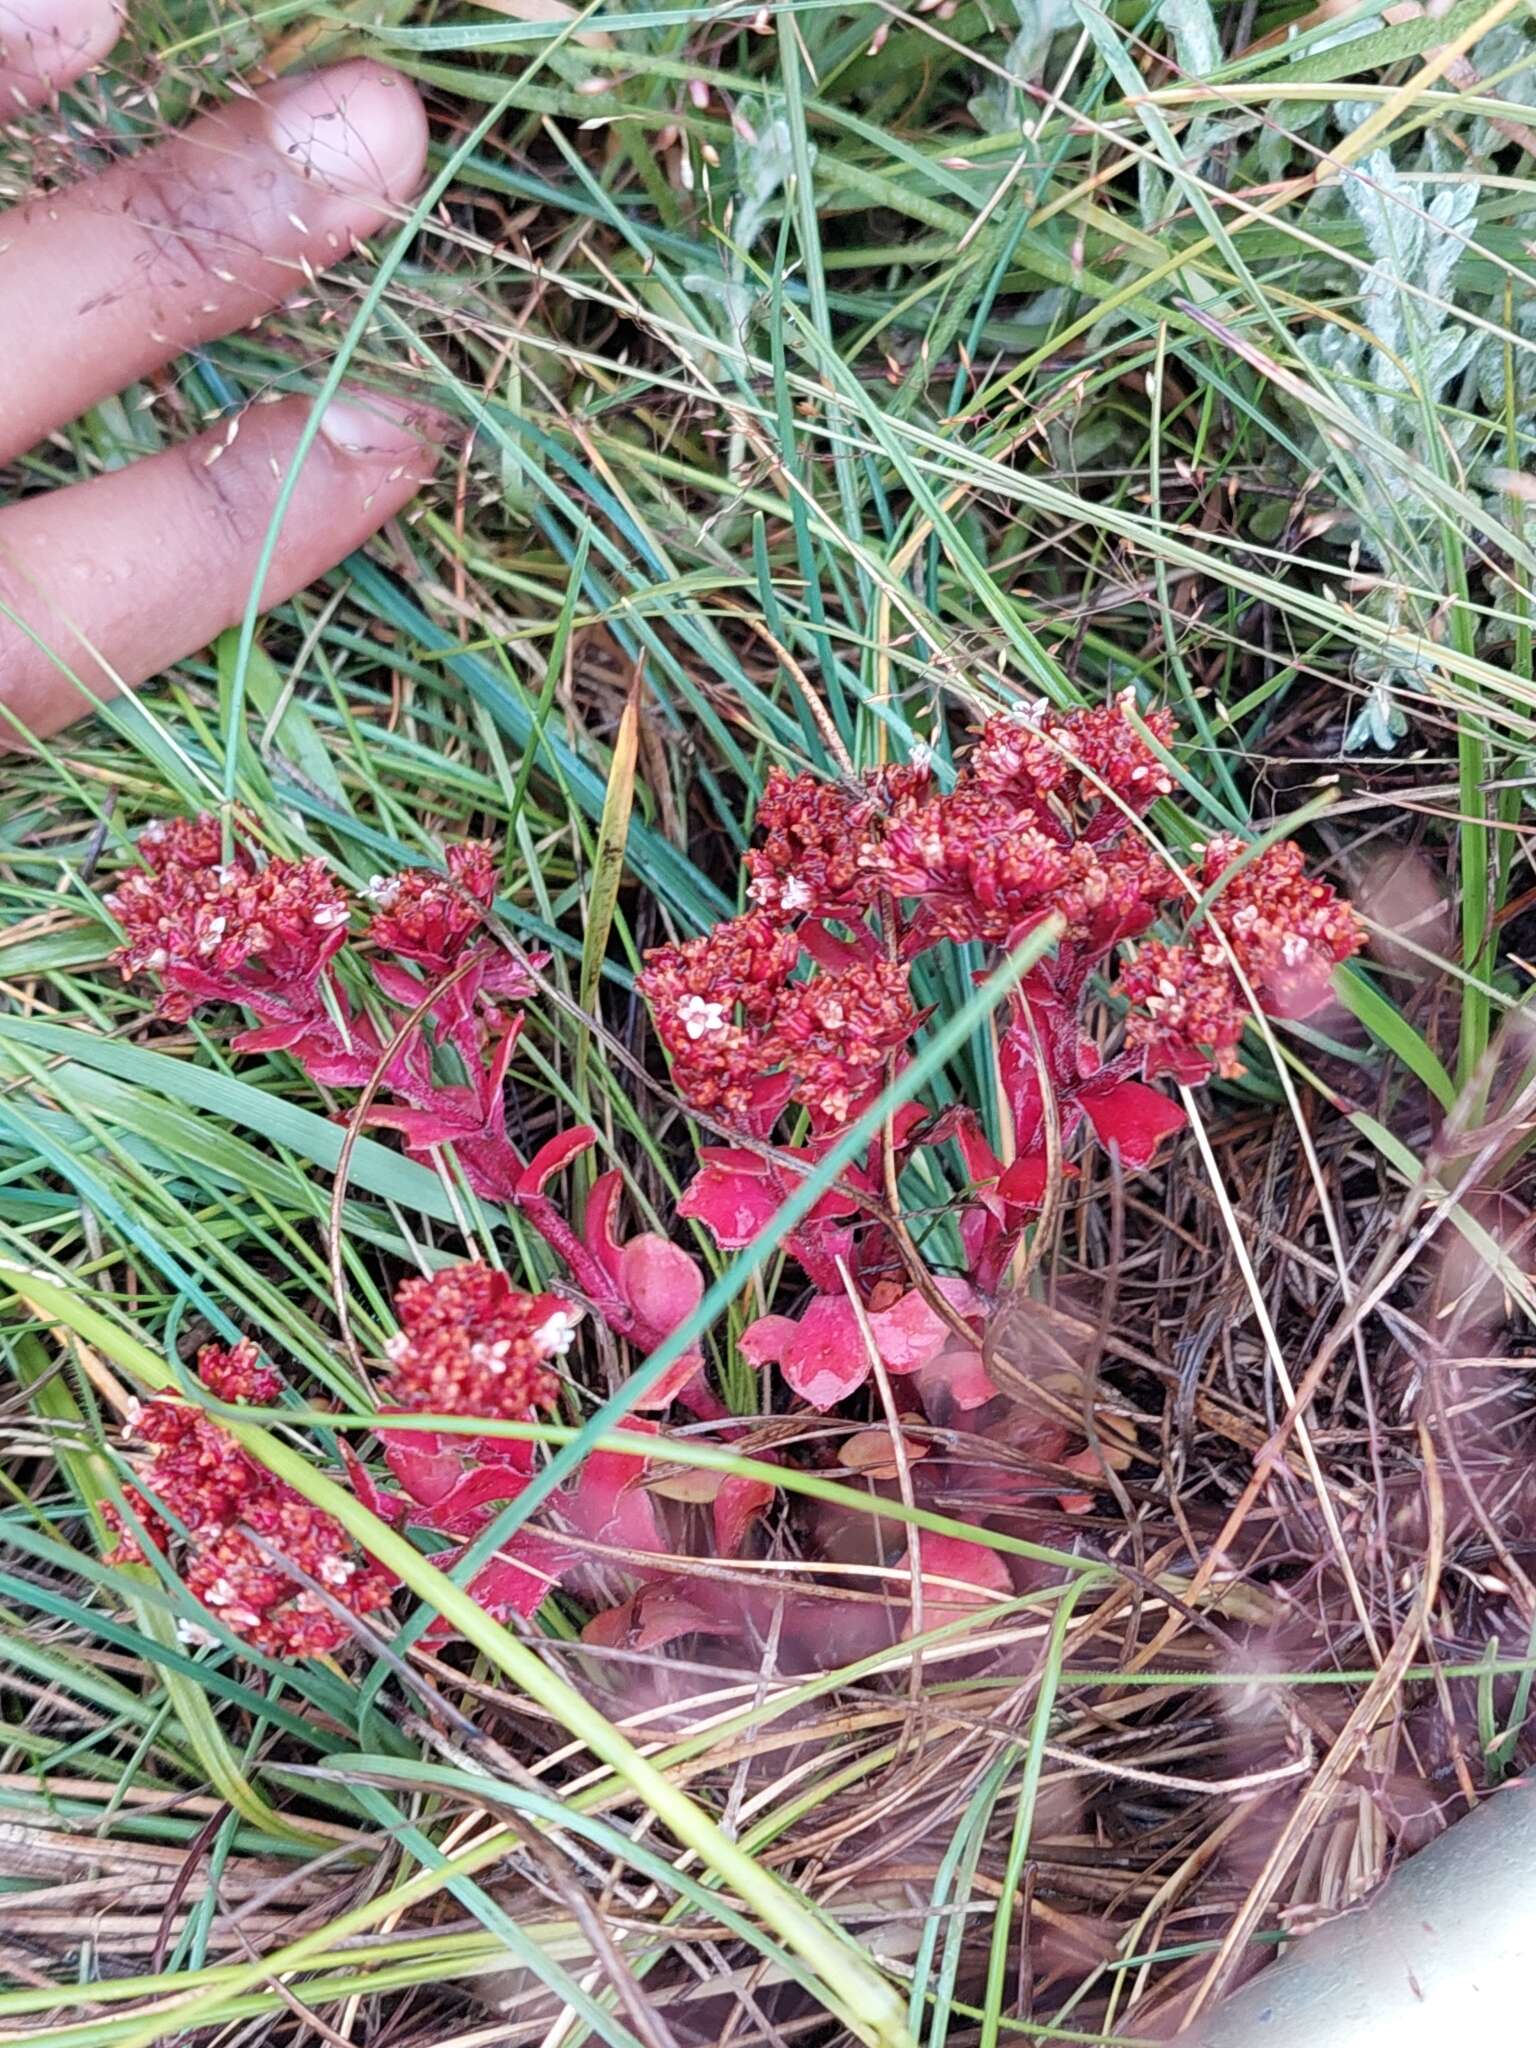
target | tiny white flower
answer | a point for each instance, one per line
(329, 915)
(220, 1594)
(213, 931)
(382, 890)
(336, 1570)
(1295, 950)
(795, 895)
(1245, 918)
(396, 1347)
(193, 1634)
(921, 755)
(700, 1019)
(555, 1336)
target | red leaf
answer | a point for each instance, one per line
(661, 1284)
(736, 1507)
(958, 1376)
(554, 1157)
(454, 1116)
(666, 1611)
(982, 1574)
(512, 1583)
(1132, 1116)
(827, 1358)
(910, 1333)
(731, 1196)
(515, 1581)
(597, 1223)
(763, 1342)
(428, 1474)
(1023, 1183)
(656, 1614)
(608, 1503)
(389, 1507)
(471, 1504)
(672, 1382)
(837, 953)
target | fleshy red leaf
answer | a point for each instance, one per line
(909, 1333)
(1132, 1116)
(731, 1196)
(835, 951)
(827, 1358)
(1024, 1182)
(658, 1613)
(389, 1507)
(554, 1157)
(454, 1115)
(736, 1507)
(957, 1375)
(982, 1574)
(598, 1221)
(608, 1503)
(428, 1475)
(661, 1284)
(514, 1583)
(398, 983)
(465, 1507)
(672, 1382)
(763, 1342)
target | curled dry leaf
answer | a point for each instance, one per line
(872, 1452)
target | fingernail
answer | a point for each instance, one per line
(353, 132)
(53, 41)
(379, 429)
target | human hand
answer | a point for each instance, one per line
(107, 582)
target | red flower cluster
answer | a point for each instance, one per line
(468, 1344)
(819, 854)
(834, 1034)
(1093, 758)
(471, 1344)
(237, 1374)
(1042, 820)
(1035, 823)
(226, 931)
(264, 935)
(746, 1037)
(976, 866)
(428, 918)
(1285, 933)
(243, 1526)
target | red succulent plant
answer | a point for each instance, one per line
(781, 1025)
(246, 1545)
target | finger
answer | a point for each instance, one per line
(105, 282)
(106, 583)
(48, 44)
